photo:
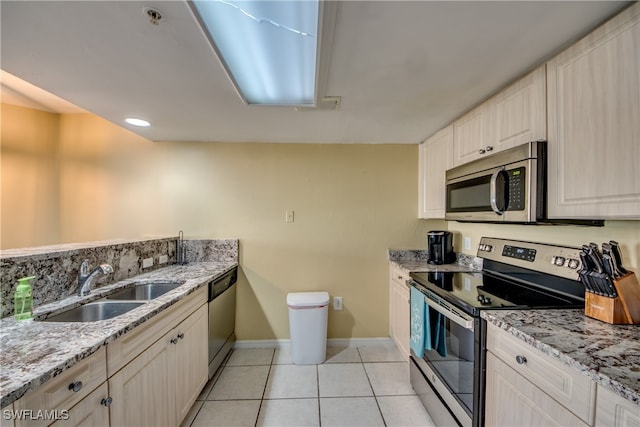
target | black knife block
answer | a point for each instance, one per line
(621, 310)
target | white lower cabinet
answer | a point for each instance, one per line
(92, 411)
(57, 399)
(399, 310)
(511, 400)
(614, 411)
(159, 386)
(525, 387)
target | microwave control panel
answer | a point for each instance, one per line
(516, 189)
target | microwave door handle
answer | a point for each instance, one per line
(494, 191)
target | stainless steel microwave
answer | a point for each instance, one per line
(509, 186)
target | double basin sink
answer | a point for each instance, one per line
(116, 304)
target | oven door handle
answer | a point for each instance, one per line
(494, 192)
(464, 322)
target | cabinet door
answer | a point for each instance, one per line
(594, 131)
(435, 156)
(513, 401)
(191, 361)
(520, 112)
(471, 133)
(89, 412)
(615, 411)
(399, 310)
(142, 392)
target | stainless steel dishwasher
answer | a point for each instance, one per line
(222, 318)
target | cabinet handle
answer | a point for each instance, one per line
(399, 277)
(75, 387)
(521, 360)
(174, 340)
(106, 402)
(181, 336)
(489, 148)
(481, 151)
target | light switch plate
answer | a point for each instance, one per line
(163, 259)
(147, 262)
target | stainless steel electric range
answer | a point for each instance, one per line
(448, 335)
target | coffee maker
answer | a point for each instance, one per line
(440, 247)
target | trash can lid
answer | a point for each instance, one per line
(307, 299)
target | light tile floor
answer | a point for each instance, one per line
(355, 386)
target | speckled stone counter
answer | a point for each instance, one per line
(609, 354)
(416, 260)
(33, 352)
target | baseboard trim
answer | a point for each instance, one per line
(334, 342)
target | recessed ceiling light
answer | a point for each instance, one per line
(137, 122)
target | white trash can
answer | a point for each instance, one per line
(308, 326)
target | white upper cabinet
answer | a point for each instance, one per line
(514, 116)
(594, 123)
(471, 135)
(520, 112)
(435, 157)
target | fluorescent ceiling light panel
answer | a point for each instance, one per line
(268, 47)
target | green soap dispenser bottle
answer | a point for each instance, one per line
(23, 299)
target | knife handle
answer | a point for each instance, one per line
(595, 257)
(617, 256)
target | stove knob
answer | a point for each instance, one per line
(486, 301)
(573, 263)
(488, 248)
(559, 261)
(480, 298)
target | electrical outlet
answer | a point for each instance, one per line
(467, 243)
(337, 303)
(147, 262)
(163, 259)
(288, 216)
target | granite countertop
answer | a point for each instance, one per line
(609, 354)
(34, 351)
(411, 260)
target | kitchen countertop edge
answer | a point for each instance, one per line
(31, 379)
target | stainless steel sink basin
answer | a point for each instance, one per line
(94, 311)
(144, 291)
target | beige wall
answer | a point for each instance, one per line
(351, 203)
(73, 178)
(29, 173)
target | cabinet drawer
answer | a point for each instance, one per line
(90, 412)
(127, 347)
(398, 275)
(568, 387)
(57, 394)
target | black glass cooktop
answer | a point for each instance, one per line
(483, 290)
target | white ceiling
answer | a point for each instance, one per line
(402, 69)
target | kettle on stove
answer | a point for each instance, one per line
(440, 247)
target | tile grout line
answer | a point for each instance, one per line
(372, 390)
(264, 390)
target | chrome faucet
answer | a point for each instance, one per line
(85, 278)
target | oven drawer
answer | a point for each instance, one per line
(568, 387)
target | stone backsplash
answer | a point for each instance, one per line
(56, 267)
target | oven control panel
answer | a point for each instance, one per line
(526, 254)
(558, 260)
